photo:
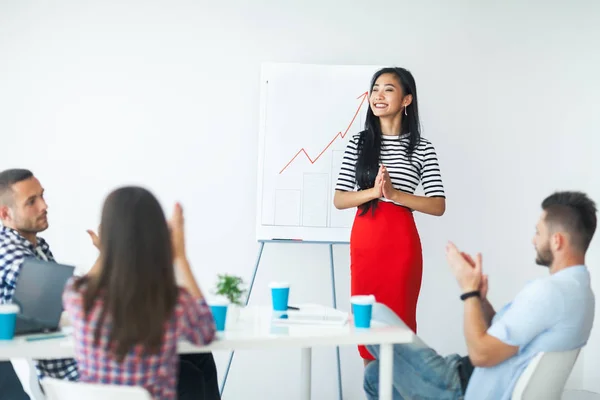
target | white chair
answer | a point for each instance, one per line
(57, 389)
(25, 370)
(574, 394)
(545, 376)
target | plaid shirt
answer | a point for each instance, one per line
(157, 373)
(14, 248)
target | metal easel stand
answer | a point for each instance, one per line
(334, 298)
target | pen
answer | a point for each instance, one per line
(34, 338)
(293, 308)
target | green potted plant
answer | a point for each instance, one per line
(231, 287)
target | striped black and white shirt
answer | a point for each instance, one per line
(404, 174)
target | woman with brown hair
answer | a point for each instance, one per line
(128, 312)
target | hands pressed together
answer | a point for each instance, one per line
(383, 184)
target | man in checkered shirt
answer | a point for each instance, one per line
(23, 213)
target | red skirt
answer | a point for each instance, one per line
(386, 261)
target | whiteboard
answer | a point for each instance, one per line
(307, 115)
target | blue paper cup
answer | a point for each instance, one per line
(362, 309)
(8, 319)
(219, 312)
(280, 293)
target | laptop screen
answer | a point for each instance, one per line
(39, 291)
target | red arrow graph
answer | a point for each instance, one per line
(338, 135)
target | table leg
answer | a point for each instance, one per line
(386, 369)
(305, 362)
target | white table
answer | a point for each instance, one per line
(255, 329)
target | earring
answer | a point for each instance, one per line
(405, 113)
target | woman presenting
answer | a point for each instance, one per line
(382, 167)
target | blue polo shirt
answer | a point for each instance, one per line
(555, 313)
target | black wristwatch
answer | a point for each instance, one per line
(474, 293)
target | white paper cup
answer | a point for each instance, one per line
(363, 299)
(279, 285)
(217, 301)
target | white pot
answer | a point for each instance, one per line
(233, 314)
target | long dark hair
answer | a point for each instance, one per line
(369, 143)
(136, 279)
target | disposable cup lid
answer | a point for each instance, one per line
(279, 285)
(9, 309)
(362, 299)
(218, 301)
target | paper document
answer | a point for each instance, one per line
(309, 314)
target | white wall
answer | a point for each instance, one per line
(166, 95)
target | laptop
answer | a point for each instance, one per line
(39, 295)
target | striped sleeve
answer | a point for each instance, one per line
(431, 177)
(347, 179)
(197, 324)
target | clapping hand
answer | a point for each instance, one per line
(95, 238)
(95, 270)
(176, 226)
(483, 287)
(466, 270)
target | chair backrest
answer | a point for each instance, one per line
(545, 376)
(57, 389)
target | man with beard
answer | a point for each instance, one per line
(23, 213)
(550, 314)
